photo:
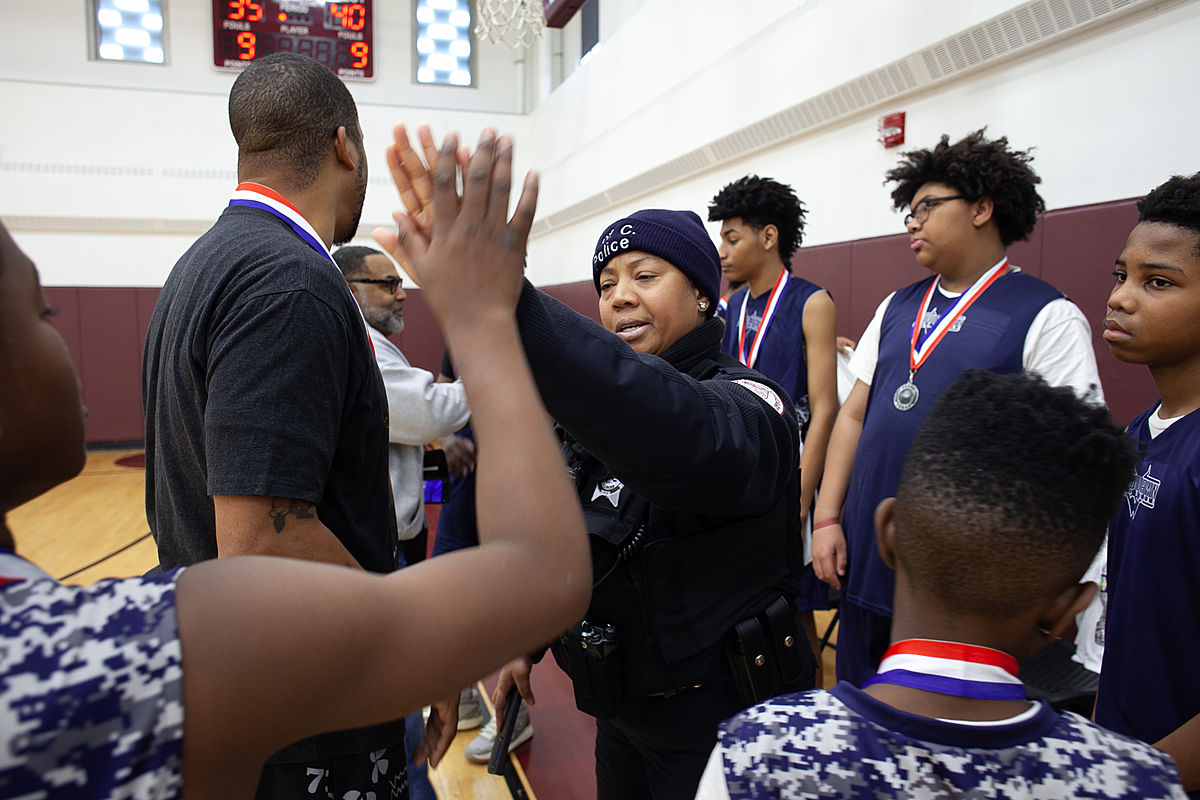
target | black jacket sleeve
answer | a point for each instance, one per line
(708, 447)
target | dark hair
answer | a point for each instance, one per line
(761, 202)
(1176, 202)
(1007, 492)
(976, 167)
(285, 109)
(352, 259)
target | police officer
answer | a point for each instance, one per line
(685, 462)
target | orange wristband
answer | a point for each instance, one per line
(825, 523)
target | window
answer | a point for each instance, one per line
(128, 30)
(590, 29)
(444, 45)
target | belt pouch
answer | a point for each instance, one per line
(595, 667)
(766, 654)
(793, 656)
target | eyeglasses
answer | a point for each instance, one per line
(920, 212)
(391, 283)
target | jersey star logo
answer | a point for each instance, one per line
(1142, 492)
(609, 489)
(931, 317)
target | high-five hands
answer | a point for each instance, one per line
(465, 253)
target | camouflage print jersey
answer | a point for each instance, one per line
(845, 744)
(91, 702)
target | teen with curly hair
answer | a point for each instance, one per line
(1148, 683)
(783, 326)
(968, 201)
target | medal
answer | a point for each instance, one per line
(768, 315)
(907, 394)
(952, 668)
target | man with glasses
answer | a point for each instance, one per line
(419, 409)
(967, 202)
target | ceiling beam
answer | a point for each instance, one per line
(560, 12)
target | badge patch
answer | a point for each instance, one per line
(609, 489)
(1142, 492)
(765, 392)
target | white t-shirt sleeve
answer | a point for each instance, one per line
(1089, 648)
(712, 782)
(1058, 347)
(862, 363)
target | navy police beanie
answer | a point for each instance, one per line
(675, 236)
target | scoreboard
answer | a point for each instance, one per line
(339, 35)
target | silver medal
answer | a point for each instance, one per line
(906, 396)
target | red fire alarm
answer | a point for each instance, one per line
(891, 130)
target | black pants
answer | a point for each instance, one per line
(382, 773)
(656, 747)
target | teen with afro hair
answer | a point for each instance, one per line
(1148, 686)
(1003, 502)
(968, 201)
(783, 326)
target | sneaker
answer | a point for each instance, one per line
(479, 750)
(470, 709)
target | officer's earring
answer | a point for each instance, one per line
(703, 305)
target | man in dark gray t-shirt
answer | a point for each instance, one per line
(266, 418)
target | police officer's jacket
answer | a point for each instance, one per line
(688, 463)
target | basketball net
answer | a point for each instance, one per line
(516, 23)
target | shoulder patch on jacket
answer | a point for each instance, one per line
(765, 392)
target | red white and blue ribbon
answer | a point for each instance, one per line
(264, 198)
(923, 346)
(952, 668)
(267, 199)
(768, 315)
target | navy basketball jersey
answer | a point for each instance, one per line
(989, 336)
(781, 356)
(1150, 681)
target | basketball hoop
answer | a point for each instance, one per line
(516, 23)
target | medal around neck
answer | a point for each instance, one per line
(906, 396)
(922, 347)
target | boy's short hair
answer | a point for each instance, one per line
(1006, 493)
(760, 202)
(976, 167)
(1176, 202)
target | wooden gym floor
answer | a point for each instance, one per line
(94, 527)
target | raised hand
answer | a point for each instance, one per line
(413, 175)
(471, 260)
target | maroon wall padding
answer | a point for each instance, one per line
(421, 340)
(111, 363)
(580, 296)
(828, 265)
(65, 300)
(1028, 254)
(1078, 252)
(878, 267)
(1072, 248)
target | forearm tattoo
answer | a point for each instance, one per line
(282, 508)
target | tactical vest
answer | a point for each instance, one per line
(673, 584)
